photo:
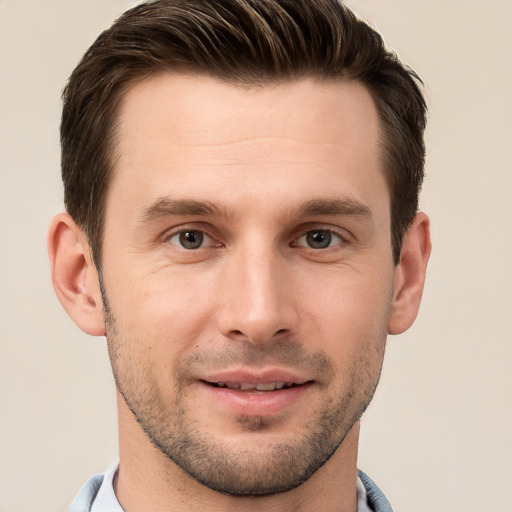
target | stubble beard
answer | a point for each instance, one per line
(257, 470)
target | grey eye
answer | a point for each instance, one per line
(188, 239)
(319, 239)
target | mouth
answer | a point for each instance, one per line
(262, 386)
(265, 392)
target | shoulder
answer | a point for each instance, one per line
(83, 500)
(376, 498)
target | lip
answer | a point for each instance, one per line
(255, 377)
(254, 402)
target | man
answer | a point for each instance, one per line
(241, 184)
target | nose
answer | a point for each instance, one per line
(256, 297)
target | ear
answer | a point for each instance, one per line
(74, 275)
(410, 275)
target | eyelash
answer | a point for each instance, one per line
(332, 233)
(203, 233)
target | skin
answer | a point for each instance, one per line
(270, 171)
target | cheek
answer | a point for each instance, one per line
(348, 320)
(169, 311)
(349, 303)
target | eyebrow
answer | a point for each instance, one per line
(341, 207)
(167, 207)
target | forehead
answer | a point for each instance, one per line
(184, 107)
(175, 130)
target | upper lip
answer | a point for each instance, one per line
(255, 377)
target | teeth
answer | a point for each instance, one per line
(269, 386)
(266, 386)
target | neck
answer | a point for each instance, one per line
(149, 480)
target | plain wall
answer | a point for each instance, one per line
(438, 436)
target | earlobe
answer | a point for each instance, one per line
(410, 275)
(74, 275)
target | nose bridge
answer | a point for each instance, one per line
(255, 304)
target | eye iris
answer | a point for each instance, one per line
(191, 239)
(319, 239)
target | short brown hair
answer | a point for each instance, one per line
(246, 42)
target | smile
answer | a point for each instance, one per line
(244, 386)
(243, 393)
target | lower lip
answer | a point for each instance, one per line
(256, 403)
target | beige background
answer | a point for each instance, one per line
(438, 436)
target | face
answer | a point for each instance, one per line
(247, 273)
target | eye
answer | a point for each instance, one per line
(319, 239)
(190, 239)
